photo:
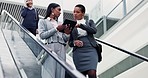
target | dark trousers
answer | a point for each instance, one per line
(32, 30)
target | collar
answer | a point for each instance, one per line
(31, 8)
(50, 19)
(81, 21)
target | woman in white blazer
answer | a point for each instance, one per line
(49, 29)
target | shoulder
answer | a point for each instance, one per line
(24, 8)
(35, 9)
(41, 21)
(90, 20)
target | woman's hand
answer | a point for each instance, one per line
(77, 25)
(78, 43)
(67, 29)
(60, 27)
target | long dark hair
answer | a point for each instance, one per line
(49, 9)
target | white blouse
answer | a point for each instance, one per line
(81, 32)
(53, 22)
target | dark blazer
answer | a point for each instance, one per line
(90, 29)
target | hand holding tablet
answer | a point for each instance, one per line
(70, 24)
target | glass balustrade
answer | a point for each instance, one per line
(117, 62)
(29, 52)
(112, 13)
(120, 61)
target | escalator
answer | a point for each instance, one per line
(26, 52)
(117, 63)
(108, 22)
(129, 33)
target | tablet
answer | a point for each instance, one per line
(71, 22)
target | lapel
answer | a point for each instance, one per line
(48, 24)
(75, 33)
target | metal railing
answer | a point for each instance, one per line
(123, 50)
(39, 46)
(117, 13)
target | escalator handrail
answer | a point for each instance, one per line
(122, 50)
(69, 68)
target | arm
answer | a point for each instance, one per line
(37, 17)
(23, 12)
(65, 37)
(43, 31)
(66, 33)
(76, 43)
(71, 41)
(90, 27)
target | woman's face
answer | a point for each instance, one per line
(57, 11)
(77, 13)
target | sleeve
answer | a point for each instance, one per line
(24, 12)
(44, 32)
(65, 37)
(71, 41)
(36, 17)
(90, 27)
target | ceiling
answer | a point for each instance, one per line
(66, 4)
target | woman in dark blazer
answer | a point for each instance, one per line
(81, 39)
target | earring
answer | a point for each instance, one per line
(52, 13)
